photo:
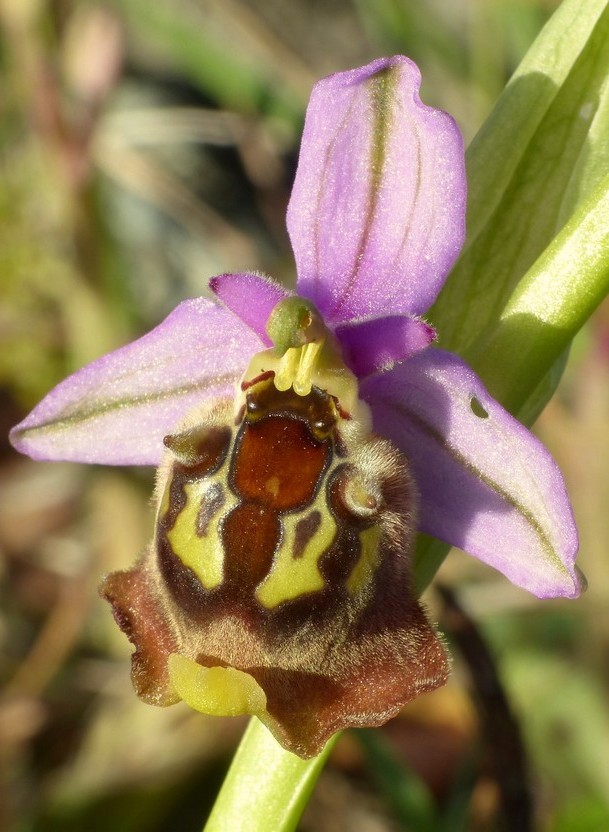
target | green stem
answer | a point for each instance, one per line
(266, 788)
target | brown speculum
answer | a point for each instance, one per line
(282, 549)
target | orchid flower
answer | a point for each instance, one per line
(303, 438)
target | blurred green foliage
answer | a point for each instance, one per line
(145, 147)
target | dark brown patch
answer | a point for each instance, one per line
(140, 614)
(277, 462)
(250, 536)
(304, 532)
(177, 500)
(186, 590)
(338, 561)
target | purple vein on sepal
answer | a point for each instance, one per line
(465, 463)
(82, 416)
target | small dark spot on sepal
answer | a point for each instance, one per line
(478, 408)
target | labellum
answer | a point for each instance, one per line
(278, 581)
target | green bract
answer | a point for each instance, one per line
(536, 164)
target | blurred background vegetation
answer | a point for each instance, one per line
(144, 147)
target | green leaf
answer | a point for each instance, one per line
(551, 303)
(536, 160)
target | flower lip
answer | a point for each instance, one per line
(278, 571)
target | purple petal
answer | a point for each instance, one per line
(250, 296)
(377, 212)
(487, 484)
(376, 344)
(117, 409)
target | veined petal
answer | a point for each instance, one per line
(487, 485)
(373, 344)
(377, 212)
(117, 409)
(250, 296)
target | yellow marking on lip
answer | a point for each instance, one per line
(219, 691)
(291, 577)
(272, 486)
(368, 561)
(204, 555)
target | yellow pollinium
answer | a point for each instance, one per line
(297, 368)
(218, 691)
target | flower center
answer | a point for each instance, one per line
(306, 354)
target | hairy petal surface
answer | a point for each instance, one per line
(305, 673)
(138, 613)
(250, 296)
(377, 213)
(374, 344)
(117, 409)
(487, 485)
(278, 581)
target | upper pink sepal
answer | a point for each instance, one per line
(377, 212)
(251, 296)
(487, 485)
(117, 409)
